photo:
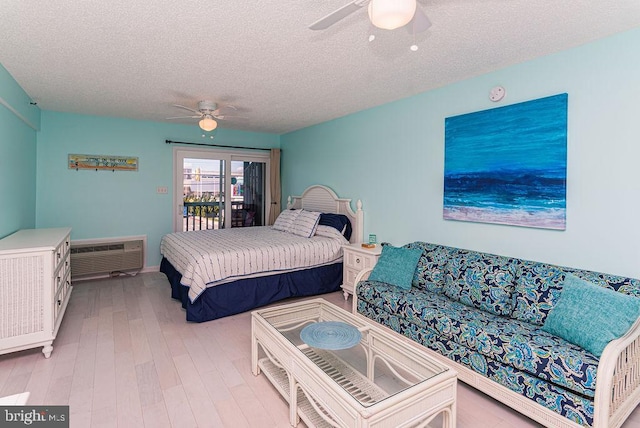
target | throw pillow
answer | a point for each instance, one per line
(591, 316)
(396, 266)
(339, 221)
(285, 220)
(330, 232)
(305, 223)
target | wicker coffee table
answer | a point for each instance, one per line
(381, 381)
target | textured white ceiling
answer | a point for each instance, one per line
(134, 59)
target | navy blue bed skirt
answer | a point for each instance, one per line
(246, 294)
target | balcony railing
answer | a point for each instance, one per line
(206, 215)
(202, 215)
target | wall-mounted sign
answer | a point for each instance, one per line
(101, 162)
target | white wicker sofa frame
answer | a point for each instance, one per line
(617, 390)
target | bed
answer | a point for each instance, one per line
(217, 273)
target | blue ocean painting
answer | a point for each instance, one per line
(508, 165)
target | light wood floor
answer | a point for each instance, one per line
(126, 357)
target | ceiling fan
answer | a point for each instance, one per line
(208, 112)
(385, 14)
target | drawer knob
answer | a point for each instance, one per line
(358, 260)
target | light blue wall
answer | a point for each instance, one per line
(103, 204)
(392, 157)
(18, 123)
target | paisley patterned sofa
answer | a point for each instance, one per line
(483, 314)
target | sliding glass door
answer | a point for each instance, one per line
(217, 189)
(203, 193)
(248, 193)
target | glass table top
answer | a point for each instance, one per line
(373, 365)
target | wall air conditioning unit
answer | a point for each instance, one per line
(106, 258)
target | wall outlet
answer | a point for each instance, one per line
(162, 190)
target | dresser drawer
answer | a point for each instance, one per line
(57, 304)
(63, 270)
(64, 247)
(61, 296)
(359, 261)
(350, 276)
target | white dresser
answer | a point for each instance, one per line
(35, 286)
(357, 258)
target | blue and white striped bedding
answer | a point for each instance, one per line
(210, 257)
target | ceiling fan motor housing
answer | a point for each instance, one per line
(207, 106)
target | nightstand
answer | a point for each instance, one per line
(357, 258)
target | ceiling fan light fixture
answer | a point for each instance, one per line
(207, 123)
(391, 14)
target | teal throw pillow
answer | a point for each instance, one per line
(591, 316)
(396, 266)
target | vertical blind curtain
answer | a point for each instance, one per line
(274, 183)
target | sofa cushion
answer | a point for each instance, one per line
(396, 266)
(617, 283)
(380, 294)
(430, 273)
(583, 314)
(521, 345)
(575, 407)
(536, 292)
(539, 285)
(485, 281)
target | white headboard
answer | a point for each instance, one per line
(321, 198)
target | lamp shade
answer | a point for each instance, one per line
(207, 123)
(391, 14)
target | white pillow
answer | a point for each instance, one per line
(330, 232)
(305, 223)
(285, 220)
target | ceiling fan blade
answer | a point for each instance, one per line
(337, 15)
(419, 23)
(226, 117)
(222, 109)
(185, 117)
(188, 108)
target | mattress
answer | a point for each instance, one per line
(206, 258)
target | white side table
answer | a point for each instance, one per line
(357, 258)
